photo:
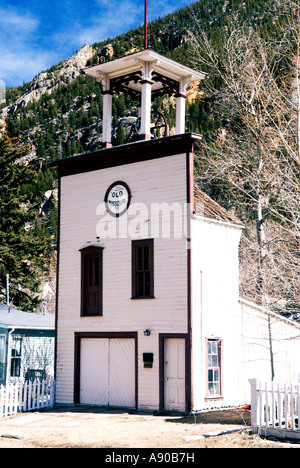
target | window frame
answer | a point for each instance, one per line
(16, 361)
(86, 253)
(219, 367)
(3, 364)
(135, 245)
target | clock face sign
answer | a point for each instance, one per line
(117, 199)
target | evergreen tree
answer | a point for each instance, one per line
(121, 137)
(23, 254)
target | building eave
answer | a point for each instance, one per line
(131, 64)
(126, 154)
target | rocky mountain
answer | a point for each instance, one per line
(59, 113)
(47, 81)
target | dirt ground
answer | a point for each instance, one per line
(86, 427)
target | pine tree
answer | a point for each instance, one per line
(121, 137)
(23, 254)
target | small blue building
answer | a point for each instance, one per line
(26, 345)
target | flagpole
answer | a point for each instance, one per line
(146, 25)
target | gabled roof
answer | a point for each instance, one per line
(19, 319)
(129, 67)
(207, 208)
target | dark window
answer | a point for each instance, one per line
(214, 367)
(16, 356)
(91, 281)
(142, 269)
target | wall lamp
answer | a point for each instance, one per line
(147, 332)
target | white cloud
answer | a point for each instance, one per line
(110, 19)
(17, 66)
(12, 21)
(19, 59)
(33, 40)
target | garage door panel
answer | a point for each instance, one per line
(122, 373)
(94, 372)
(107, 371)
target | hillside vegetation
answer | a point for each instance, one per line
(59, 114)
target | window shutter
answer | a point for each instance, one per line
(91, 281)
(143, 269)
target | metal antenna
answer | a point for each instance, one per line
(7, 294)
(146, 25)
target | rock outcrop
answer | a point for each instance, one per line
(45, 82)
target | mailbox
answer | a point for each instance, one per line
(148, 360)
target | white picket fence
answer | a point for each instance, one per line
(26, 396)
(275, 409)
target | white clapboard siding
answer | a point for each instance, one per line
(158, 181)
(28, 396)
(215, 282)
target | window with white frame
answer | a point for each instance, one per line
(16, 357)
(214, 364)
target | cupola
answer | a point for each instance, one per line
(144, 75)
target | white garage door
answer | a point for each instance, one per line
(107, 372)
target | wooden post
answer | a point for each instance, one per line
(253, 383)
(52, 392)
(180, 106)
(298, 403)
(1, 400)
(146, 83)
(107, 112)
(267, 405)
(146, 111)
(180, 114)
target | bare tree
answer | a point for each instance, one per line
(256, 152)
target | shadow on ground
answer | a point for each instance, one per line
(231, 417)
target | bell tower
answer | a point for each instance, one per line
(144, 75)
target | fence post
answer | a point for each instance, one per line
(52, 392)
(253, 383)
(38, 392)
(1, 400)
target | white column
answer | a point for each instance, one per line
(107, 116)
(107, 111)
(146, 99)
(180, 114)
(180, 106)
(146, 110)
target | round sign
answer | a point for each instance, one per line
(117, 199)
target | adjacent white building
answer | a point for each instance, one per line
(26, 345)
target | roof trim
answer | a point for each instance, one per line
(25, 327)
(216, 221)
(130, 63)
(126, 154)
(274, 315)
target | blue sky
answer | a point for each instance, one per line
(36, 34)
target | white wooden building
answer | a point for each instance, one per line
(26, 345)
(148, 311)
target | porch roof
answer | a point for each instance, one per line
(19, 319)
